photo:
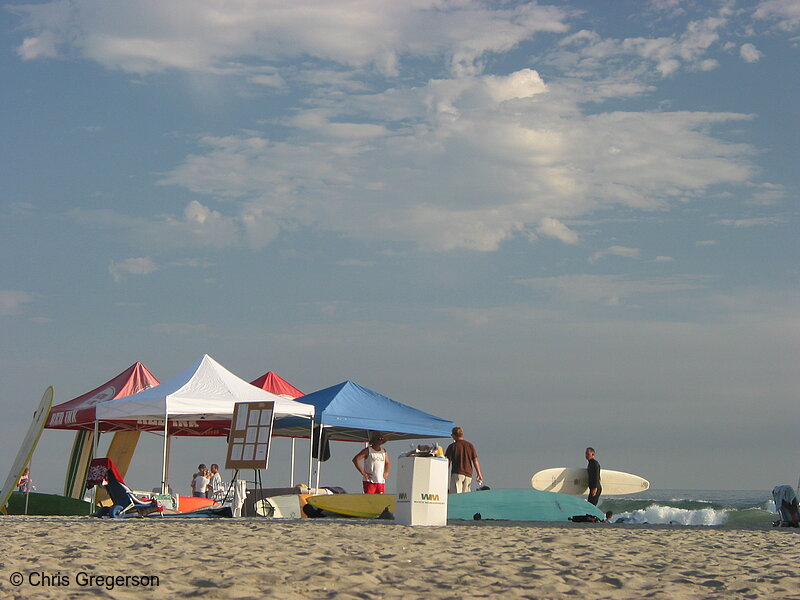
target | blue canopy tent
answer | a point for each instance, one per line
(350, 412)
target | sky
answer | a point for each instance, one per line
(558, 224)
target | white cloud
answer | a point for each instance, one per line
(749, 53)
(459, 170)
(706, 243)
(457, 159)
(621, 251)
(663, 259)
(132, 266)
(752, 222)
(197, 35)
(666, 55)
(15, 302)
(786, 13)
(522, 84)
(554, 228)
(768, 194)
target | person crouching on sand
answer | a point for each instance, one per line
(375, 467)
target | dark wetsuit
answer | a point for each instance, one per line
(593, 470)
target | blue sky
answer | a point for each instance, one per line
(558, 224)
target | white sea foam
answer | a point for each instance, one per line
(677, 516)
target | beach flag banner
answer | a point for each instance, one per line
(251, 432)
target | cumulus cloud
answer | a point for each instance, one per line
(749, 53)
(15, 302)
(132, 266)
(197, 35)
(457, 170)
(785, 13)
(446, 159)
(554, 228)
(666, 56)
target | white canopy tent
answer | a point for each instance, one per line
(203, 394)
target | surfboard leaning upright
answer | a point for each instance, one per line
(28, 446)
(575, 482)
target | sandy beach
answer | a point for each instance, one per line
(78, 557)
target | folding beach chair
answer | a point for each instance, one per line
(786, 506)
(102, 471)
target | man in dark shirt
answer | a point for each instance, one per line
(593, 470)
(463, 459)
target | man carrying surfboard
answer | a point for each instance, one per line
(463, 460)
(593, 471)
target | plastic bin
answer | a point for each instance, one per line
(422, 491)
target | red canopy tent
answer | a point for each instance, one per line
(79, 413)
(272, 382)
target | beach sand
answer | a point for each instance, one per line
(261, 558)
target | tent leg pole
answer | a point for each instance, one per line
(95, 442)
(165, 456)
(310, 452)
(166, 471)
(291, 469)
(319, 455)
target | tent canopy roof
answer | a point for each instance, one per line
(272, 382)
(80, 412)
(204, 390)
(351, 412)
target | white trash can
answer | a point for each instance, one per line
(422, 490)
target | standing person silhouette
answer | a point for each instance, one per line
(593, 470)
(463, 461)
(375, 467)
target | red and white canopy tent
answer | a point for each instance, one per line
(199, 402)
(80, 414)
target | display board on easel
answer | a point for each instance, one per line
(251, 431)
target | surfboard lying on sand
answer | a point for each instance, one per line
(363, 506)
(575, 482)
(287, 506)
(518, 505)
(34, 503)
(28, 446)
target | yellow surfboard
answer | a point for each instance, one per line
(28, 446)
(363, 506)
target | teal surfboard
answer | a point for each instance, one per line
(518, 505)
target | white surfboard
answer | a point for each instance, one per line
(28, 446)
(576, 482)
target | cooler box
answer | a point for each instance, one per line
(422, 490)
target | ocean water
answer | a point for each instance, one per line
(731, 508)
